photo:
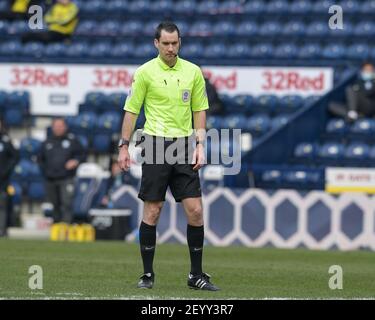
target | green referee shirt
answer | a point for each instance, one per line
(169, 95)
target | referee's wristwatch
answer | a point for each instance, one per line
(123, 142)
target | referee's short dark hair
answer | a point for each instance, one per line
(167, 26)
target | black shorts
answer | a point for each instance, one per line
(182, 180)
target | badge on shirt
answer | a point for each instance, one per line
(185, 95)
(66, 144)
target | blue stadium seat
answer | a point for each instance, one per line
(4, 26)
(26, 170)
(365, 28)
(372, 153)
(212, 177)
(336, 127)
(3, 6)
(367, 6)
(183, 26)
(214, 122)
(305, 151)
(85, 123)
(279, 121)
(33, 49)
(262, 50)
(294, 28)
(357, 151)
(117, 100)
(309, 51)
(131, 27)
(270, 28)
(208, 7)
(29, 147)
(364, 127)
(201, 28)
(277, 6)
(258, 124)
(317, 29)
(108, 28)
(77, 50)
(36, 191)
(18, 27)
(266, 103)
(102, 142)
(322, 6)
(109, 122)
(352, 6)
(100, 49)
(254, 7)
(149, 27)
(331, 153)
(54, 50)
(14, 117)
(161, 6)
(18, 99)
(224, 28)
(11, 48)
(87, 27)
(229, 103)
(93, 7)
(185, 7)
(139, 7)
(289, 104)
(300, 7)
(116, 6)
(311, 99)
(239, 50)
(242, 103)
(286, 51)
(234, 122)
(247, 28)
(146, 50)
(271, 178)
(231, 7)
(97, 100)
(123, 50)
(334, 51)
(295, 178)
(192, 50)
(215, 50)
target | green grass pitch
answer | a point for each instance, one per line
(110, 270)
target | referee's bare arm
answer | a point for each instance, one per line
(128, 125)
(200, 133)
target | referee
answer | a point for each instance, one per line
(171, 90)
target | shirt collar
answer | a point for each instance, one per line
(164, 66)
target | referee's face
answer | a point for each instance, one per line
(168, 46)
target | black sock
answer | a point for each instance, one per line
(195, 237)
(147, 241)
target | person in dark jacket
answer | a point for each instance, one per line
(60, 156)
(8, 159)
(360, 97)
